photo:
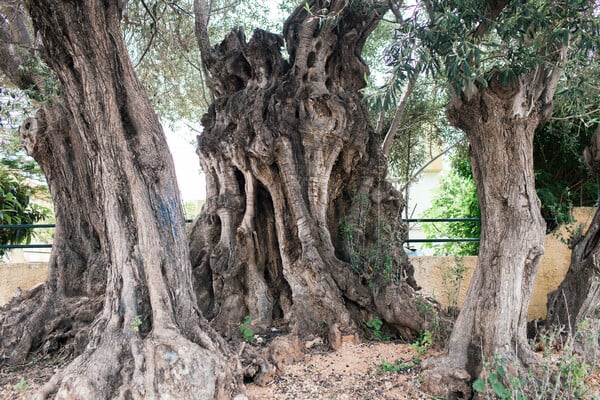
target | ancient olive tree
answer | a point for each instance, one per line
(300, 226)
(502, 62)
(576, 303)
(120, 254)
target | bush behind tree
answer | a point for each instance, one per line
(16, 208)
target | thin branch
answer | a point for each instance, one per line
(391, 133)
(201, 28)
(154, 31)
(395, 8)
(424, 167)
(380, 121)
(18, 44)
(575, 116)
(201, 18)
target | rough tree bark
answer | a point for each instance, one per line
(55, 316)
(500, 122)
(575, 304)
(149, 340)
(295, 183)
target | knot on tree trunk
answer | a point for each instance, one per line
(28, 132)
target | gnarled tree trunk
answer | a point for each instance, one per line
(576, 303)
(149, 340)
(500, 122)
(55, 316)
(300, 226)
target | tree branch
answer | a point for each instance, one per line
(391, 133)
(414, 176)
(152, 36)
(201, 18)
(14, 37)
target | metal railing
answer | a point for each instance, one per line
(26, 226)
(441, 240)
(409, 220)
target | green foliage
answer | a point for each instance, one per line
(455, 198)
(422, 132)
(377, 334)
(560, 376)
(191, 209)
(469, 43)
(562, 179)
(398, 366)
(50, 84)
(422, 345)
(14, 108)
(16, 208)
(136, 323)
(22, 385)
(246, 331)
(494, 384)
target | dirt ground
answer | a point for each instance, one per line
(354, 373)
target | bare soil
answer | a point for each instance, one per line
(353, 372)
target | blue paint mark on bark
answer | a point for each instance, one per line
(169, 215)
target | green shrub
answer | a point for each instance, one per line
(16, 208)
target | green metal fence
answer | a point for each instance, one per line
(410, 220)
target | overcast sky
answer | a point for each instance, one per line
(187, 167)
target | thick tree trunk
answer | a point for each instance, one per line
(56, 316)
(300, 226)
(500, 122)
(149, 340)
(575, 304)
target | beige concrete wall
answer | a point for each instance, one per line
(434, 274)
(19, 276)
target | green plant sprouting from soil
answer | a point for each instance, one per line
(246, 331)
(377, 334)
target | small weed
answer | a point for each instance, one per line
(398, 366)
(136, 323)
(494, 382)
(22, 385)
(560, 377)
(375, 326)
(246, 331)
(422, 345)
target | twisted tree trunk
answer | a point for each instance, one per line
(149, 340)
(575, 304)
(300, 226)
(500, 121)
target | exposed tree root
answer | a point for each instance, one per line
(128, 366)
(42, 324)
